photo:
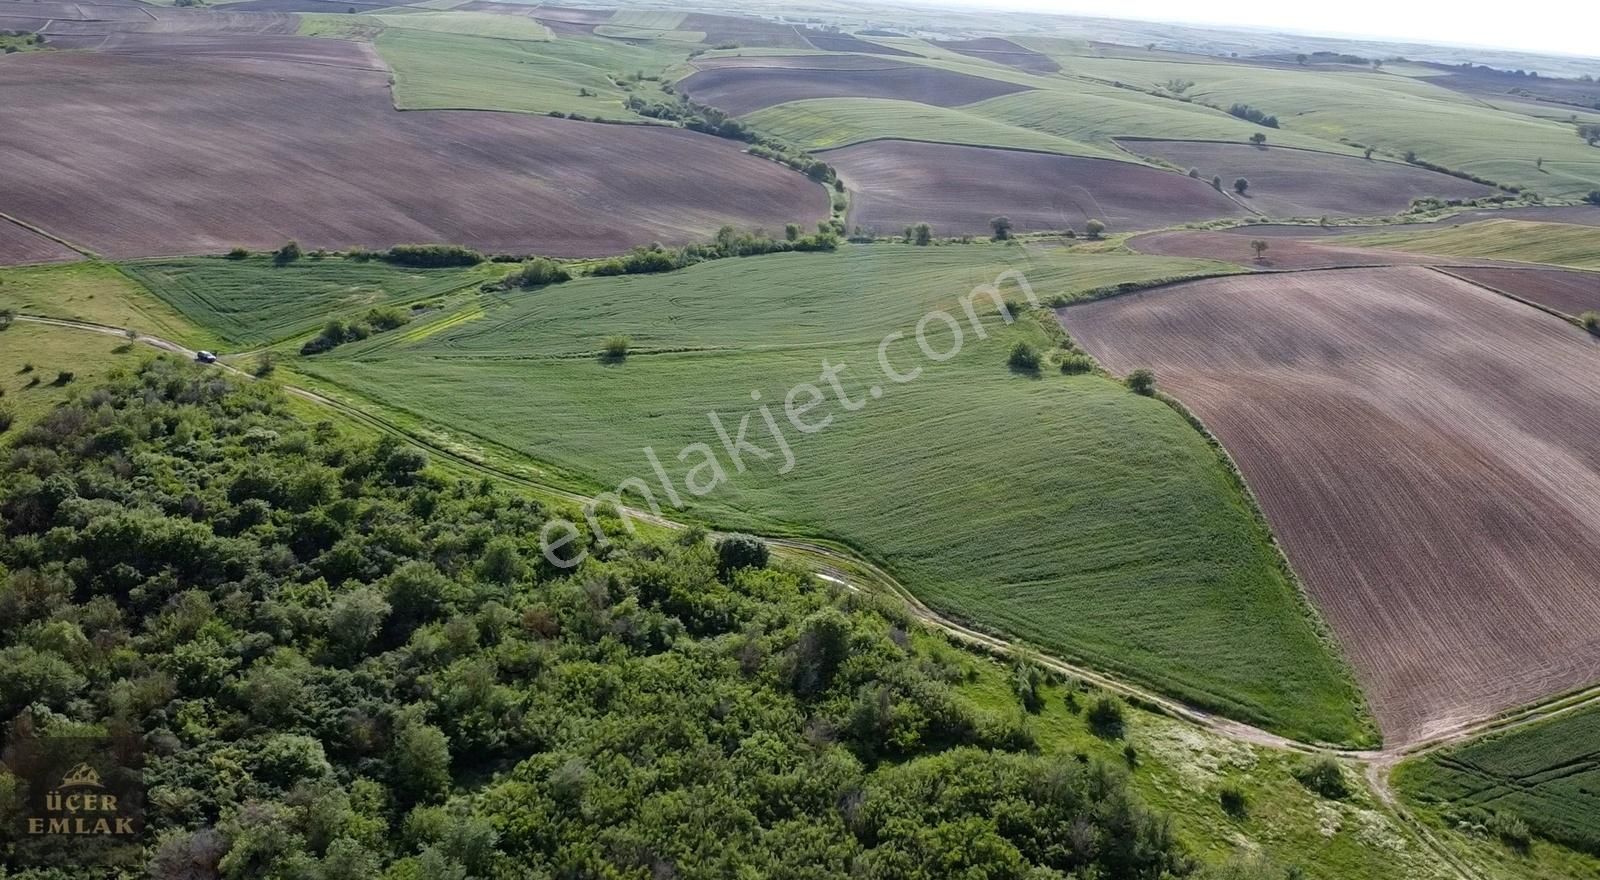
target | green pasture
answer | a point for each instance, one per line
(465, 23)
(826, 123)
(34, 359)
(1555, 244)
(96, 292)
(1065, 510)
(254, 302)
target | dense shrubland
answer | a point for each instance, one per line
(342, 664)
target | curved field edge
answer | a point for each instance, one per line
(572, 444)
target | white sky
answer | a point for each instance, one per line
(1568, 27)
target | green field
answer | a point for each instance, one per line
(1555, 244)
(1065, 510)
(98, 293)
(253, 302)
(1546, 773)
(434, 71)
(825, 123)
(470, 24)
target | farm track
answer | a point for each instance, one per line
(849, 570)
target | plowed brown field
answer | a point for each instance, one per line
(18, 245)
(1286, 182)
(959, 189)
(744, 88)
(136, 155)
(1565, 290)
(1004, 52)
(1424, 449)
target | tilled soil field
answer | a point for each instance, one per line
(1002, 51)
(19, 245)
(1425, 451)
(959, 189)
(188, 153)
(749, 87)
(1287, 182)
(832, 42)
(1566, 290)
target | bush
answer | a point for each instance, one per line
(1094, 228)
(1233, 801)
(735, 552)
(7, 318)
(1024, 358)
(1591, 322)
(238, 253)
(265, 364)
(1510, 829)
(1240, 185)
(616, 348)
(1142, 381)
(1076, 363)
(8, 416)
(537, 272)
(64, 377)
(922, 234)
(287, 254)
(383, 318)
(1323, 776)
(1105, 716)
(1593, 197)
(432, 256)
(1001, 227)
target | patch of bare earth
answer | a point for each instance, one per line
(1286, 182)
(959, 189)
(1568, 291)
(828, 41)
(177, 151)
(762, 82)
(1425, 450)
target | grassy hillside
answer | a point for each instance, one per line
(464, 23)
(36, 357)
(1062, 509)
(98, 293)
(1556, 244)
(1545, 775)
(446, 71)
(254, 302)
(825, 123)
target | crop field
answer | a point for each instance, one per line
(1282, 252)
(746, 88)
(1557, 244)
(960, 189)
(453, 72)
(1568, 292)
(466, 23)
(253, 302)
(827, 123)
(19, 244)
(1546, 773)
(830, 42)
(745, 32)
(1388, 420)
(1002, 51)
(1300, 183)
(98, 293)
(1159, 572)
(182, 171)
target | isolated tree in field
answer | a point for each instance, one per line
(1142, 381)
(1593, 197)
(1259, 245)
(1368, 154)
(1539, 163)
(1024, 358)
(1258, 139)
(1240, 185)
(1094, 228)
(1302, 58)
(791, 231)
(616, 348)
(922, 234)
(1377, 63)
(288, 253)
(1001, 227)
(1591, 322)
(7, 316)
(1216, 182)
(1194, 173)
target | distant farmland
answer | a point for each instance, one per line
(1566, 291)
(1425, 451)
(960, 189)
(758, 83)
(149, 155)
(1151, 563)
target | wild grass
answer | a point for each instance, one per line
(95, 292)
(1555, 244)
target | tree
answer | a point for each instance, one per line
(1094, 228)
(1240, 185)
(1591, 322)
(422, 761)
(1368, 154)
(1258, 139)
(735, 552)
(1142, 381)
(1105, 716)
(922, 234)
(1024, 358)
(791, 231)
(1216, 182)
(1259, 245)
(354, 621)
(1301, 58)
(7, 317)
(1001, 227)
(1593, 197)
